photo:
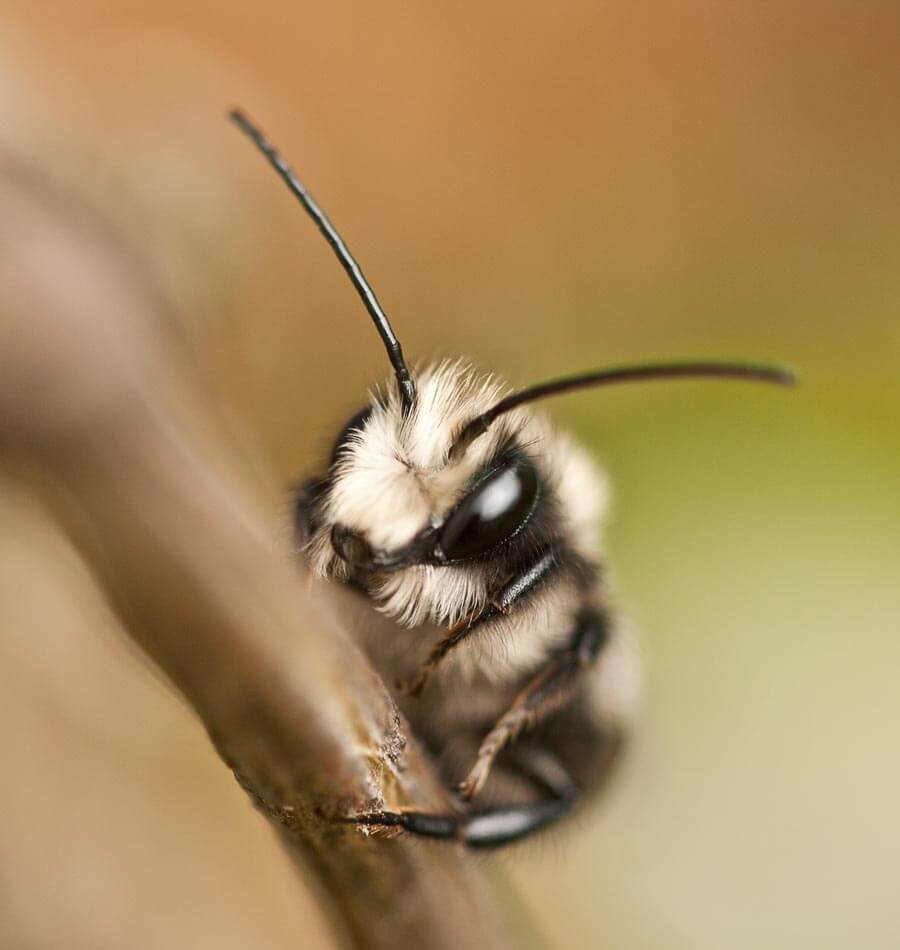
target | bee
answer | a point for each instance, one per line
(467, 528)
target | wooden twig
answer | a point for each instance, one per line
(100, 411)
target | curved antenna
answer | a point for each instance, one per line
(342, 252)
(753, 372)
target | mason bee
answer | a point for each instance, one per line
(468, 529)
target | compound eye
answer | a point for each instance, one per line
(356, 422)
(496, 509)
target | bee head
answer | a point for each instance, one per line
(398, 496)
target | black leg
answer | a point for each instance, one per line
(524, 583)
(497, 826)
(545, 693)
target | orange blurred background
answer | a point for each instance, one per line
(541, 189)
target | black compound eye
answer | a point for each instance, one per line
(356, 421)
(497, 508)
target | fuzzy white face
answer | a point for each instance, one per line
(393, 479)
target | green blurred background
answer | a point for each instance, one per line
(542, 189)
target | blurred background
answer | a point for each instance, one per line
(542, 188)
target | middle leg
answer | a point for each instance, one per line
(547, 691)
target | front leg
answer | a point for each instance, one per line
(546, 692)
(502, 824)
(525, 582)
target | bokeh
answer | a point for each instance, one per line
(542, 188)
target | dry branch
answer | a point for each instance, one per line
(99, 409)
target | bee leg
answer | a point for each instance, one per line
(417, 822)
(501, 825)
(496, 826)
(545, 693)
(524, 583)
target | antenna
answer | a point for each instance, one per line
(752, 372)
(342, 252)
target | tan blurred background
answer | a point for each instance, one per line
(542, 188)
